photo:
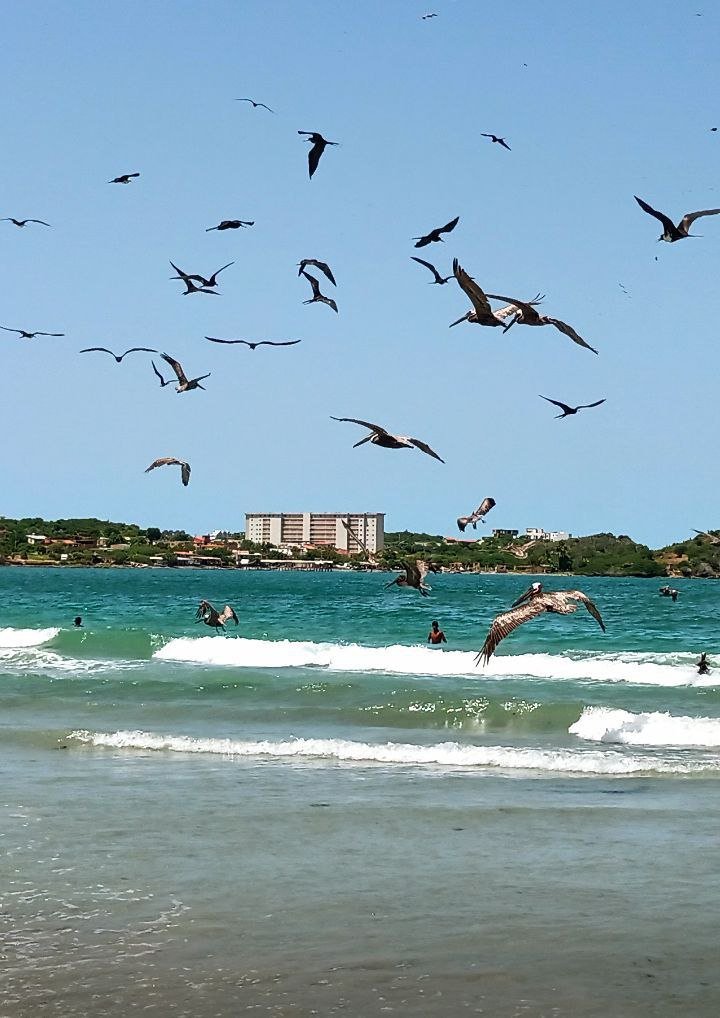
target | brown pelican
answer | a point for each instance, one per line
(526, 314)
(319, 144)
(415, 573)
(213, 618)
(163, 381)
(167, 461)
(482, 313)
(434, 235)
(669, 592)
(231, 224)
(438, 278)
(323, 266)
(379, 436)
(118, 357)
(23, 222)
(482, 510)
(702, 665)
(185, 384)
(528, 607)
(317, 296)
(671, 233)
(30, 335)
(568, 410)
(254, 104)
(212, 281)
(259, 342)
(124, 178)
(714, 539)
(496, 140)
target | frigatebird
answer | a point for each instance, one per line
(671, 232)
(434, 235)
(23, 222)
(379, 436)
(163, 381)
(212, 281)
(317, 296)
(323, 266)
(254, 104)
(568, 410)
(259, 342)
(231, 224)
(124, 178)
(30, 335)
(496, 140)
(438, 278)
(118, 357)
(319, 144)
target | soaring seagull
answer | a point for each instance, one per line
(317, 296)
(482, 510)
(166, 461)
(254, 104)
(30, 335)
(671, 232)
(525, 313)
(415, 573)
(323, 266)
(318, 146)
(496, 140)
(213, 618)
(428, 265)
(118, 357)
(124, 178)
(568, 410)
(482, 313)
(532, 604)
(379, 436)
(258, 342)
(185, 384)
(23, 222)
(434, 235)
(231, 224)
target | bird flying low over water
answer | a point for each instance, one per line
(254, 104)
(496, 140)
(379, 436)
(415, 573)
(568, 410)
(212, 281)
(438, 278)
(185, 383)
(671, 232)
(23, 222)
(213, 618)
(318, 146)
(124, 178)
(30, 335)
(317, 296)
(118, 357)
(166, 461)
(524, 313)
(163, 381)
(259, 342)
(482, 510)
(231, 224)
(323, 266)
(532, 604)
(482, 313)
(434, 235)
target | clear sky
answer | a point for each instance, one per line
(597, 101)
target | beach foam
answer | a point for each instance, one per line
(601, 724)
(13, 638)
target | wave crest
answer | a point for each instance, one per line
(14, 638)
(603, 724)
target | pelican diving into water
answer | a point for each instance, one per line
(213, 618)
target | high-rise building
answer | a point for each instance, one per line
(321, 529)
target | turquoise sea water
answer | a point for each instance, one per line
(319, 813)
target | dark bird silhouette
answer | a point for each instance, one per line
(532, 604)
(259, 342)
(323, 266)
(213, 618)
(415, 573)
(702, 665)
(671, 232)
(318, 146)
(190, 286)
(568, 410)
(163, 381)
(231, 224)
(23, 222)
(124, 178)
(212, 281)
(438, 278)
(482, 510)
(118, 357)
(379, 436)
(317, 296)
(669, 592)
(434, 235)
(30, 335)
(496, 140)
(482, 313)
(184, 383)
(254, 104)
(426, 17)
(166, 461)
(525, 313)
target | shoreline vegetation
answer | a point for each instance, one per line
(102, 543)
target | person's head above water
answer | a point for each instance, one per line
(434, 623)
(78, 620)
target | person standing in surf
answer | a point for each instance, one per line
(436, 635)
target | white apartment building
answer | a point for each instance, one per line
(320, 529)
(538, 534)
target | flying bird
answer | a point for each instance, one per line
(213, 618)
(23, 222)
(184, 383)
(415, 573)
(166, 461)
(482, 313)
(360, 543)
(496, 140)
(426, 17)
(259, 342)
(323, 266)
(319, 144)
(30, 335)
(118, 357)
(212, 281)
(191, 287)
(532, 604)
(714, 539)
(254, 104)
(231, 224)
(568, 410)
(438, 278)
(526, 314)
(671, 233)
(163, 381)
(434, 235)
(317, 296)
(379, 436)
(482, 510)
(124, 178)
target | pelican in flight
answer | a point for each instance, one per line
(23, 222)
(361, 544)
(482, 510)
(30, 335)
(212, 281)
(482, 313)
(231, 224)
(259, 342)
(525, 313)
(434, 235)
(440, 280)
(379, 436)
(124, 178)
(568, 410)
(185, 384)
(318, 146)
(213, 618)
(317, 296)
(323, 266)
(533, 603)
(671, 232)
(713, 538)
(496, 141)
(118, 357)
(166, 461)
(415, 573)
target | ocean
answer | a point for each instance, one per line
(320, 814)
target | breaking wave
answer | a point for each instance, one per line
(15, 638)
(601, 724)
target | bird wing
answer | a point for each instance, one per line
(665, 220)
(689, 218)
(278, 342)
(176, 366)
(331, 302)
(428, 265)
(364, 424)
(323, 266)
(577, 595)
(567, 330)
(314, 154)
(6, 329)
(519, 305)
(504, 624)
(424, 447)
(164, 461)
(477, 298)
(137, 349)
(563, 406)
(185, 472)
(98, 349)
(49, 333)
(314, 283)
(485, 506)
(203, 608)
(183, 275)
(218, 271)
(414, 572)
(214, 339)
(356, 538)
(587, 406)
(504, 144)
(162, 380)
(43, 223)
(227, 613)
(449, 226)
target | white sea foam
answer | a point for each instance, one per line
(443, 754)
(601, 724)
(12, 638)
(660, 670)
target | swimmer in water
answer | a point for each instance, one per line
(436, 635)
(702, 665)
(78, 621)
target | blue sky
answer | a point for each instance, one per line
(615, 100)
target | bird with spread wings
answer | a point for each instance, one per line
(482, 510)
(415, 573)
(213, 618)
(166, 461)
(379, 436)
